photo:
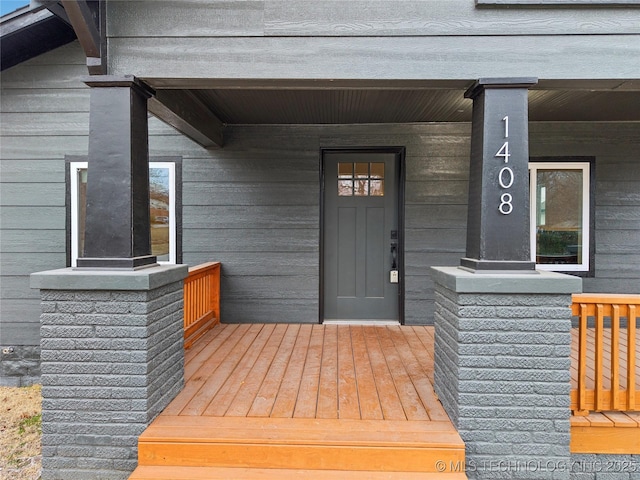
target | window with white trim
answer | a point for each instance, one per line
(560, 215)
(162, 209)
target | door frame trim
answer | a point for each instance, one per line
(400, 153)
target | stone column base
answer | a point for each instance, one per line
(112, 358)
(502, 360)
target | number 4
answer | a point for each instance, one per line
(504, 152)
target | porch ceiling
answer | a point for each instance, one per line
(403, 105)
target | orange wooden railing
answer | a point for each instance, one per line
(201, 301)
(607, 355)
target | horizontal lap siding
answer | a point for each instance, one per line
(255, 206)
(379, 58)
(434, 39)
(45, 114)
(220, 18)
(617, 194)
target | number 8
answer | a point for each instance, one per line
(505, 206)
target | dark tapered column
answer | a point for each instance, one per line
(498, 213)
(117, 233)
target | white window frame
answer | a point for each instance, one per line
(585, 167)
(74, 167)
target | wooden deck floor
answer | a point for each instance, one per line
(311, 371)
(606, 432)
(310, 398)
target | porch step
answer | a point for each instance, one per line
(239, 473)
(252, 446)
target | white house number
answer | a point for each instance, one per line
(505, 177)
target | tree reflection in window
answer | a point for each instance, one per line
(162, 191)
(159, 201)
(361, 179)
(560, 215)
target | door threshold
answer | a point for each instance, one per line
(361, 322)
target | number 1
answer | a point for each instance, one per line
(506, 126)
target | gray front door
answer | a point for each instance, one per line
(361, 245)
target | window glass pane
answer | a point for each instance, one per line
(345, 188)
(559, 216)
(362, 170)
(377, 170)
(161, 209)
(159, 191)
(376, 188)
(345, 170)
(367, 179)
(361, 188)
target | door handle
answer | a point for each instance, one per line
(394, 256)
(393, 274)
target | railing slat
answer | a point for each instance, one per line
(582, 358)
(595, 345)
(615, 360)
(201, 300)
(631, 355)
(599, 355)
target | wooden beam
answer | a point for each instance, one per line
(83, 22)
(20, 36)
(189, 115)
(54, 7)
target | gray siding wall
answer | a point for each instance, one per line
(617, 194)
(45, 115)
(254, 205)
(410, 39)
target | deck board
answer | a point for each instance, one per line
(411, 403)
(285, 403)
(389, 399)
(606, 433)
(348, 404)
(249, 389)
(332, 371)
(308, 392)
(418, 375)
(264, 400)
(223, 399)
(307, 399)
(327, 406)
(203, 397)
(311, 371)
(367, 392)
(426, 339)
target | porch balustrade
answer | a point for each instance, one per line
(201, 301)
(605, 348)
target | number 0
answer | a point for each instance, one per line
(504, 184)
